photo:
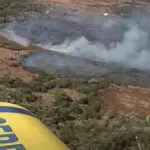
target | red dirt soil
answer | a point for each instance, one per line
(95, 5)
(9, 59)
(130, 99)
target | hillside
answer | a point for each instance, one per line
(109, 112)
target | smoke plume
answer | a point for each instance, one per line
(132, 51)
(97, 38)
(11, 35)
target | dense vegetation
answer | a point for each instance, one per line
(122, 11)
(14, 8)
(81, 123)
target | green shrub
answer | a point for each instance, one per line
(64, 83)
(81, 124)
(12, 82)
(14, 7)
(123, 11)
(61, 97)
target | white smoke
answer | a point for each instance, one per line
(11, 35)
(131, 51)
